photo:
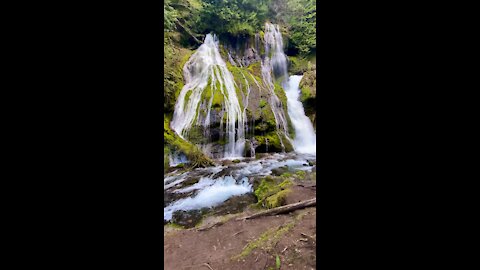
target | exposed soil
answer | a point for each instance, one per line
(250, 244)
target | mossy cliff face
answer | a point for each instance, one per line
(308, 86)
(173, 143)
(261, 125)
(253, 96)
(173, 69)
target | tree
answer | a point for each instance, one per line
(302, 20)
(233, 17)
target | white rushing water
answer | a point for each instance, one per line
(275, 63)
(212, 193)
(215, 185)
(206, 65)
(305, 139)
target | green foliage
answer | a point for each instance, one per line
(170, 16)
(277, 262)
(297, 65)
(173, 62)
(303, 25)
(299, 17)
(233, 17)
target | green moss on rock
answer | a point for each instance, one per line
(297, 65)
(267, 187)
(308, 89)
(196, 157)
(271, 193)
(262, 103)
(277, 200)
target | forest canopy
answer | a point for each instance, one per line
(244, 18)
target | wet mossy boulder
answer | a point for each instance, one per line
(308, 88)
(281, 171)
(235, 204)
(272, 142)
(272, 192)
(277, 199)
(196, 157)
(187, 219)
(297, 65)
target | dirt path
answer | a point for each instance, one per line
(250, 244)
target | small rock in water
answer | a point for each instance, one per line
(279, 171)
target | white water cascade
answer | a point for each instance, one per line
(275, 63)
(206, 65)
(305, 139)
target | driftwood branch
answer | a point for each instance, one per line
(189, 32)
(211, 226)
(283, 209)
(207, 265)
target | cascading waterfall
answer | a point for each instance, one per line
(274, 51)
(252, 149)
(245, 101)
(205, 65)
(275, 62)
(305, 139)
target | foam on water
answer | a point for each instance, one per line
(202, 183)
(210, 196)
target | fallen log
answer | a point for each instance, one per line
(283, 209)
(189, 32)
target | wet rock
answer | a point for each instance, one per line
(279, 171)
(187, 219)
(170, 197)
(226, 162)
(235, 204)
(226, 171)
(189, 182)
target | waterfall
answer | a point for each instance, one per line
(252, 149)
(204, 66)
(274, 51)
(275, 62)
(305, 139)
(176, 159)
(245, 102)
